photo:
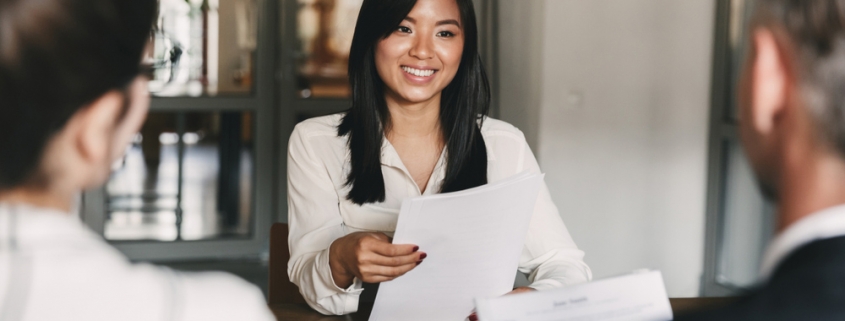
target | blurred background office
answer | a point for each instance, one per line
(628, 105)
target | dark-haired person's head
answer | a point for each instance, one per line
(412, 51)
(792, 92)
(71, 96)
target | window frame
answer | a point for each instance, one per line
(724, 130)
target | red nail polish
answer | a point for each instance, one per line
(473, 317)
(423, 256)
(416, 248)
(418, 262)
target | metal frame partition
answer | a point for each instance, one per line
(716, 279)
(710, 286)
(263, 104)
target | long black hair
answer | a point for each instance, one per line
(464, 104)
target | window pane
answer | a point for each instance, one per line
(325, 29)
(205, 48)
(740, 15)
(748, 224)
(210, 185)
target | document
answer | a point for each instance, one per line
(473, 239)
(640, 296)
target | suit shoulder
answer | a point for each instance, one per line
(773, 303)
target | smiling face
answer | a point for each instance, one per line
(421, 57)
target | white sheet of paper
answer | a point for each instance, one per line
(473, 239)
(640, 296)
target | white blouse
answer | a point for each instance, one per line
(319, 213)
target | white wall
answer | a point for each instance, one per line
(620, 126)
(520, 65)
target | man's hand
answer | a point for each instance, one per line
(522, 289)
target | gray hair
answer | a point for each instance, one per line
(816, 29)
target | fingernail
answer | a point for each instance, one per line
(473, 317)
(418, 262)
(416, 248)
(423, 256)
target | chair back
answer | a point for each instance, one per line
(281, 290)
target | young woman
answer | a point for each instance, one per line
(417, 126)
(71, 99)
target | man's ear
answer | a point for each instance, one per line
(770, 79)
(95, 125)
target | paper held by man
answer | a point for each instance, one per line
(639, 296)
(473, 239)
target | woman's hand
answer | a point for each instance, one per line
(371, 258)
(522, 289)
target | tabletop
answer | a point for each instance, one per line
(301, 312)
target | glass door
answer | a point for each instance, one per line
(198, 180)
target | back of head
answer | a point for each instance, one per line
(56, 56)
(816, 31)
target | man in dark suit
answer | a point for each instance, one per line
(792, 101)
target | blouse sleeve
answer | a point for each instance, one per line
(315, 222)
(550, 257)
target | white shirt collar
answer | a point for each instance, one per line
(27, 223)
(825, 224)
(390, 157)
